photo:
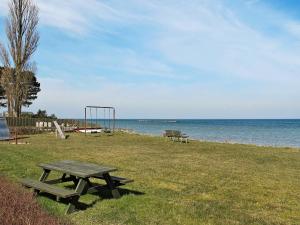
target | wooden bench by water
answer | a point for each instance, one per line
(176, 135)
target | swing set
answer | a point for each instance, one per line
(95, 123)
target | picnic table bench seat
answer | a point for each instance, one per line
(121, 180)
(117, 180)
(48, 188)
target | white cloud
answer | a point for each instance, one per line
(130, 62)
(156, 100)
(213, 39)
(293, 28)
(74, 16)
(207, 37)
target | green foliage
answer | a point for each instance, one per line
(175, 183)
(31, 83)
(43, 114)
(33, 89)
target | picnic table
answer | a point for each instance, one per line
(80, 174)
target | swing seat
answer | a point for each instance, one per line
(94, 122)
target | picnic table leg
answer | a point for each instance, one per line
(74, 179)
(72, 205)
(63, 178)
(44, 175)
(114, 190)
(81, 187)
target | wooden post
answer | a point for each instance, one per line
(16, 135)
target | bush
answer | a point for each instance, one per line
(19, 207)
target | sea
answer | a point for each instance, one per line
(263, 132)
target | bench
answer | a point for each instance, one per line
(121, 180)
(168, 133)
(176, 135)
(51, 189)
(118, 181)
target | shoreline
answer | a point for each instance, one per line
(131, 131)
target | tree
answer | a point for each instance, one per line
(2, 92)
(2, 97)
(33, 87)
(23, 39)
(41, 114)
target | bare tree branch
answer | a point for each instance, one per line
(4, 56)
(23, 40)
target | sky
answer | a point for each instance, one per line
(168, 59)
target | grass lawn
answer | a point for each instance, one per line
(195, 183)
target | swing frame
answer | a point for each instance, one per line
(109, 108)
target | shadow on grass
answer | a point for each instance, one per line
(106, 194)
(22, 137)
(103, 194)
(103, 135)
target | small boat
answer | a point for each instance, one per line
(89, 130)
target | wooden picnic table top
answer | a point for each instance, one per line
(77, 168)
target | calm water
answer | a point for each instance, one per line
(259, 132)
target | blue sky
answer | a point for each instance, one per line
(169, 59)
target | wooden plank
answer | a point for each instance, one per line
(44, 175)
(77, 168)
(59, 180)
(118, 180)
(48, 188)
(121, 180)
(97, 188)
(59, 130)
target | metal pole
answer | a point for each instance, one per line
(96, 118)
(85, 121)
(109, 119)
(114, 118)
(104, 119)
(91, 118)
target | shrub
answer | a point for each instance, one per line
(19, 207)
